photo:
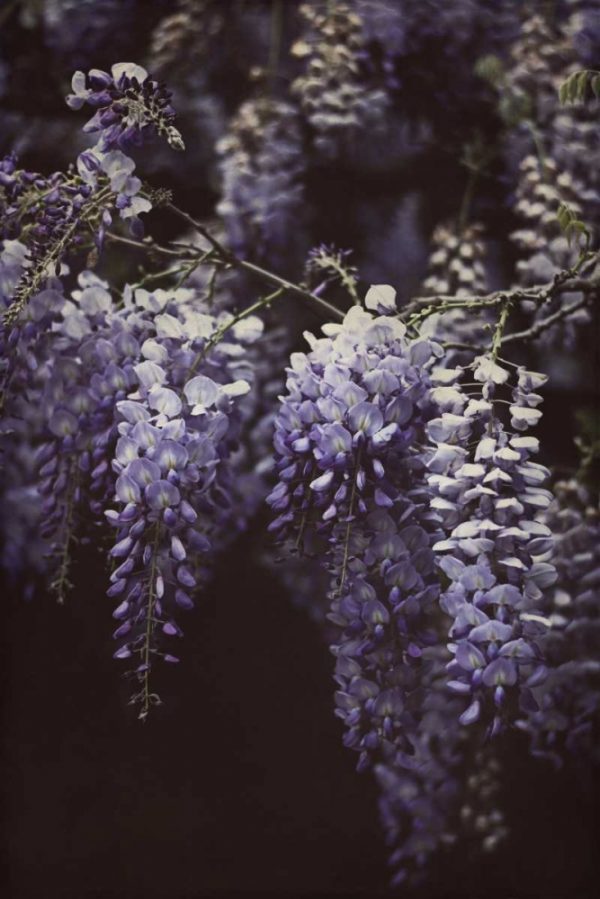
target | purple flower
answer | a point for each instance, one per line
(128, 104)
(349, 482)
(488, 504)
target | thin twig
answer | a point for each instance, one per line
(529, 333)
(250, 310)
(543, 324)
(269, 277)
(197, 226)
(276, 280)
(498, 338)
(564, 282)
(148, 246)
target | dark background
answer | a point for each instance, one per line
(239, 781)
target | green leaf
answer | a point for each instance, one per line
(580, 81)
(571, 226)
(491, 69)
(574, 88)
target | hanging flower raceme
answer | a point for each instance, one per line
(24, 366)
(568, 713)
(537, 61)
(26, 372)
(553, 152)
(338, 101)
(542, 245)
(346, 443)
(540, 241)
(185, 34)
(352, 404)
(384, 609)
(457, 262)
(262, 166)
(87, 370)
(489, 500)
(542, 59)
(176, 463)
(457, 267)
(420, 793)
(129, 105)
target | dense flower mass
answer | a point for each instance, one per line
(566, 716)
(173, 459)
(127, 102)
(347, 443)
(354, 402)
(122, 423)
(154, 389)
(495, 550)
(262, 166)
(339, 103)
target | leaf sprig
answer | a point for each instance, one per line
(578, 87)
(573, 227)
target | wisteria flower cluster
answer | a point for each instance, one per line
(568, 701)
(457, 267)
(127, 101)
(496, 550)
(356, 406)
(337, 101)
(156, 401)
(55, 214)
(127, 421)
(262, 167)
(177, 437)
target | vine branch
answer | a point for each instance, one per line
(228, 258)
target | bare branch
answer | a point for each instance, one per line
(223, 252)
(563, 282)
(531, 333)
(228, 258)
(545, 323)
(149, 246)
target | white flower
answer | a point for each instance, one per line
(381, 298)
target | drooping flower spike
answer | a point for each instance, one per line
(567, 716)
(128, 102)
(347, 440)
(177, 467)
(489, 495)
